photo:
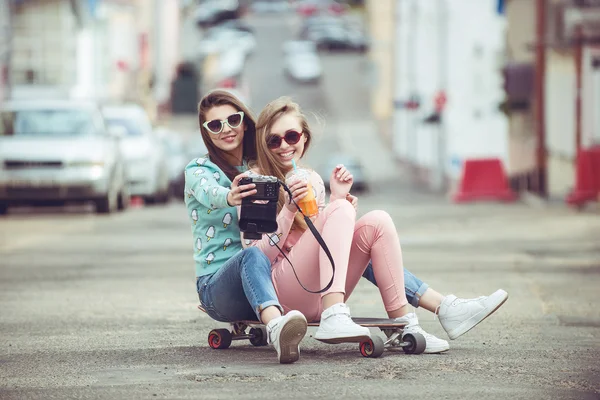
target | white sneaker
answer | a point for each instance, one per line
(285, 334)
(458, 316)
(337, 326)
(434, 344)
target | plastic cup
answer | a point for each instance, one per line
(308, 204)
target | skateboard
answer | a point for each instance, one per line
(373, 347)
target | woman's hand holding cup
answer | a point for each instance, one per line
(302, 192)
(299, 189)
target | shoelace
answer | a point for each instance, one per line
(455, 302)
(270, 331)
(459, 301)
(420, 330)
(345, 319)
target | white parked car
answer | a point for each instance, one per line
(270, 6)
(177, 159)
(218, 40)
(301, 61)
(299, 46)
(57, 151)
(144, 153)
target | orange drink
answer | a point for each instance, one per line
(308, 204)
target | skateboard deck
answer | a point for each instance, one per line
(373, 346)
(362, 321)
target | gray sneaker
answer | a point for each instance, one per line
(285, 334)
(458, 316)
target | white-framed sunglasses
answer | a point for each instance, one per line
(216, 125)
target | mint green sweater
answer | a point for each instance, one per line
(214, 223)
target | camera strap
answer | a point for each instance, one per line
(319, 239)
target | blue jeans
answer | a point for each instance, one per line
(240, 290)
(413, 286)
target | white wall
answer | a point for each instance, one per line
(167, 48)
(472, 125)
(44, 40)
(591, 99)
(560, 104)
(381, 27)
(5, 49)
(475, 125)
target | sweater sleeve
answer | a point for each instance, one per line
(206, 184)
(285, 219)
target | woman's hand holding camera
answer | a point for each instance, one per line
(340, 182)
(237, 192)
(299, 188)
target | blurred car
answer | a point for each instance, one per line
(299, 46)
(307, 8)
(213, 12)
(301, 61)
(270, 6)
(177, 159)
(218, 40)
(320, 20)
(144, 154)
(304, 67)
(231, 65)
(332, 37)
(352, 164)
(235, 24)
(195, 147)
(334, 33)
(58, 151)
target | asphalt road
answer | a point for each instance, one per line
(105, 306)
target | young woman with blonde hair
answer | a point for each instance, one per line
(368, 247)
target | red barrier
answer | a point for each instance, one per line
(587, 177)
(136, 202)
(483, 179)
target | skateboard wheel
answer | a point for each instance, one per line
(372, 348)
(258, 336)
(416, 343)
(219, 338)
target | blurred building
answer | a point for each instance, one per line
(5, 49)
(554, 53)
(382, 30)
(519, 82)
(438, 83)
(111, 50)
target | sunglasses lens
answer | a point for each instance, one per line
(214, 126)
(273, 142)
(292, 137)
(234, 120)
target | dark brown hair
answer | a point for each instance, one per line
(221, 98)
(266, 162)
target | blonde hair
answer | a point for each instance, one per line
(266, 162)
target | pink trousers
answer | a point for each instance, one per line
(352, 244)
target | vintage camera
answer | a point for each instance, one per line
(259, 211)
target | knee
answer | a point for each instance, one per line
(255, 257)
(380, 219)
(341, 206)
